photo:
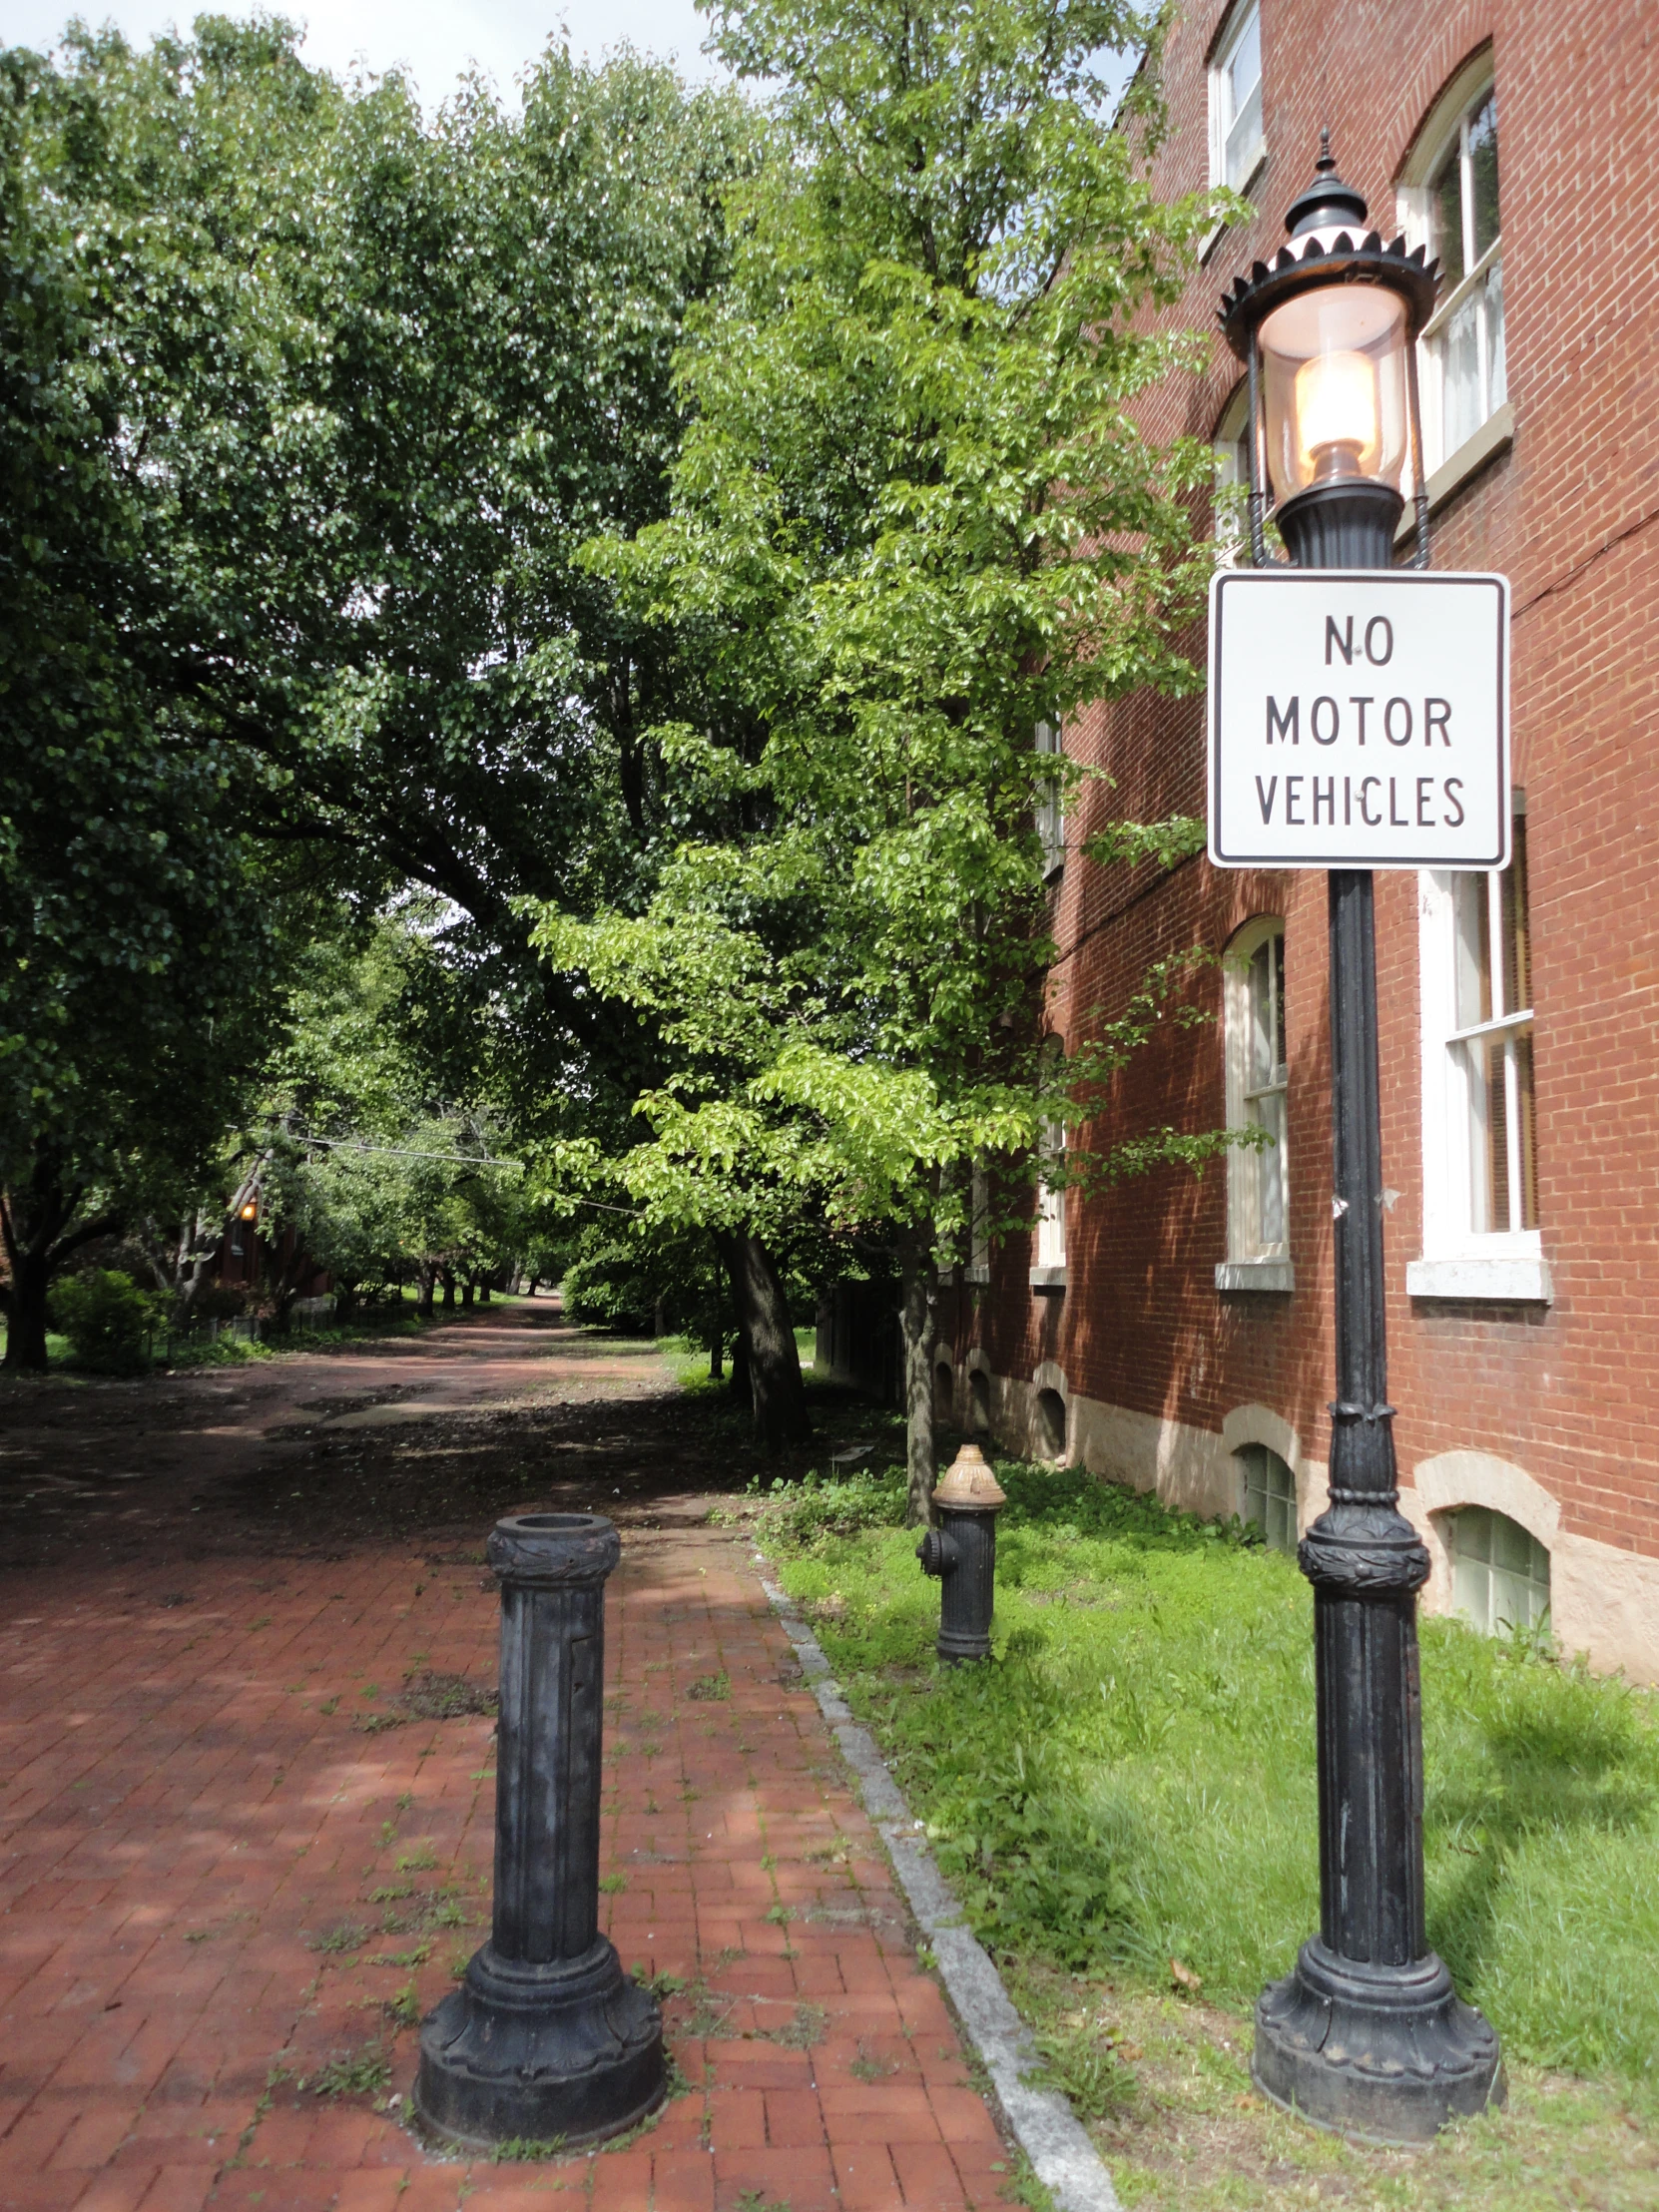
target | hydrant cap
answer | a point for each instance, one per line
(970, 1487)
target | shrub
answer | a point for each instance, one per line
(106, 1318)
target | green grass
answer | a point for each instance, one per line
(1133, 1780)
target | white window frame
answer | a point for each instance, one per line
(1051, 803)
(1459, 1261)
(1049, 1256)
(1245, 17)
(1251, 1264)
(1414, 203)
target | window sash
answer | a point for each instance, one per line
(1258, 1177)
(1051, 1203)
(1479, 1117)
(1464, 357)
(1236, 139)
(1051, 803)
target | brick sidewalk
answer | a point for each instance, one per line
(216, 1882)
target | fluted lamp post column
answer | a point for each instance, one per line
(1366, 2034)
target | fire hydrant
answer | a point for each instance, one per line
(961, 1552)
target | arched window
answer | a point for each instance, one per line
(979, 1402)
(1051, 1425)
(944, 1390)
(1230, 443)
(1258, 1176)
(1448, 202)
(1499, 1573)
(1269, 1496)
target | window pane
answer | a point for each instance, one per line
(1446, 217)
(1483, 173)
(1497, 355)
(1261, 1015)
(1244, 140)
(1244, 66)
(1270, 1496)
(1475, 971)
(1517, 954)
(1497, 1167)
(1269, 1169)
(1528, 1158)
(1279, 1053)
(1459, 350)
(1499, 1572)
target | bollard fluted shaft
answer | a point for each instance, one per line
(546, 2039)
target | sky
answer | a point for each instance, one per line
(435, 40)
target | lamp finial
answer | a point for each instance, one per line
(1327, 204)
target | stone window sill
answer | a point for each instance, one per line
(981, 1272)
(1511, 1281)
(1048, 1279)
(1255, 1274)
(1494, 436)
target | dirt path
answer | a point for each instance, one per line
(326, 1451)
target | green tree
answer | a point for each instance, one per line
(136, 942)
(913, 517)
(307, 410)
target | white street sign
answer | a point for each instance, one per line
(1359, 719)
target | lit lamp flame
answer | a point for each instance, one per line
(1339, 415)
(251, 1211)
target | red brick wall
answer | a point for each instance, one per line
(1571, 515)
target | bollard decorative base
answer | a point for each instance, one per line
(1386, 2055)
(571, 2052)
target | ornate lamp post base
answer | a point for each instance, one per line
(569, 2051)
(1388, 2055)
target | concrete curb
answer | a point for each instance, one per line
(1049, 2131)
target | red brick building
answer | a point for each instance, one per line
(1178, 1331)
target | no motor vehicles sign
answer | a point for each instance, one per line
(1359, 719)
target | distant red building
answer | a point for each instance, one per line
(1176, 1333)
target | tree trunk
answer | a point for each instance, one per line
(737, 1382)
(917, 1314)
(425, 1278)
(26, 1312)
(33, 1222)
(483, 1290)
(717, 1347)
(767, 1335)
(448, 1280)
(656, 1318)
(467, 1294)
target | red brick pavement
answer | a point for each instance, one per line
(192, 1809)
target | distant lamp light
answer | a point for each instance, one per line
(251, 1212)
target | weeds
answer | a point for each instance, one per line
(347, 1936)
(1149, 1721)
(525, 2150)
(715, 1687)
(350, 2075)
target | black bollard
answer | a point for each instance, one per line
(546, 2039)
(961, 1552)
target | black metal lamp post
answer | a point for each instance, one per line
(1367, 2034)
